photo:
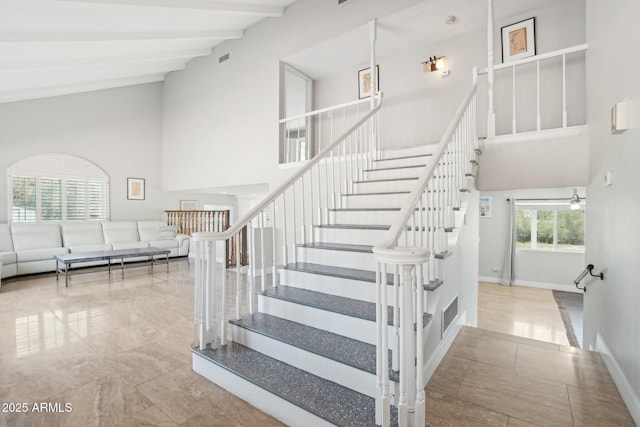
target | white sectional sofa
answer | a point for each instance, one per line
(30, 248)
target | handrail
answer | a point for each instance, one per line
(235, 228)
(407, 210)
(555, 53)
(326, 109)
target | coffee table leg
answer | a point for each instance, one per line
(122, 266)
(66, 275)
(167, 260)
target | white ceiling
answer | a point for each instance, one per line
(412, 28)
(57, 47)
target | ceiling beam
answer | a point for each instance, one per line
(48, 37)
(122, 59)
(203, 5)
(46, 92)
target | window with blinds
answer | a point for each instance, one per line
(42, 199)
(57, 187)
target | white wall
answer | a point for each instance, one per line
(540, 268)
(119, 130)
(611, 306)
(222, 119)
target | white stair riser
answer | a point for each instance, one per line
(363, 217)
(338, 286)
(350, 327)
(279, 408)
(393, 200)
(348, 376)
(359, 260)
(393, 173)
(349, 236)
(397, 163)
(384, 186)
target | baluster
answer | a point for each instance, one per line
(252, 267)
(538, 96)
(211, 296)
(294, 224)
(303, 228)
(273, 247)
(513, 100)
(238, 264)
(198, 298)
(223, 296)
(263, 278)
(284, 227)
(396, 318)
(564, 90)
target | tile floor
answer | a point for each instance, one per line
(118, 352)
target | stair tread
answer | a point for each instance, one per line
(335, 304)
(326, 399)
(404, 157)
(386, 180)
(341, 272)
(358, 354)
(338, 247)
(355, 226)
(395, 167)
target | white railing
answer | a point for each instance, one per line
(513, 66)
(275, 226)
(319, 127)
(408, 255)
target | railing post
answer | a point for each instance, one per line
(491, 115)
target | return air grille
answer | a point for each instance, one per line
(449, 314)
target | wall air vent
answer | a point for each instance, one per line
(223, 58)
(449, 314)
(342, 2)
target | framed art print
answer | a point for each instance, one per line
(519, 40)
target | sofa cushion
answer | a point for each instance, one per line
(90, 248)
(120, 231)
(82, 233)
(8, 258)
(39, 254)
(149, 229)
(164, 244)
(35, 236)
(130, 245)
(6, 242)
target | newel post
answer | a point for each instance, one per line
(409, 303)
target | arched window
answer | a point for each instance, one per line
(57, 187)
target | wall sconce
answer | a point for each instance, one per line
(435, 63)
(574, 202)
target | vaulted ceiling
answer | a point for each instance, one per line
(57, 47)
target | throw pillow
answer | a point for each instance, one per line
(168, 232)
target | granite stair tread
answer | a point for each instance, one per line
(335, 304)
(395, 167)
(338, 247)
(342, 272)
(354, 353)
(330, 401)
(404, 157)
(355, 226)
(386, 180)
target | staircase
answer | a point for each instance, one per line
(333, 328)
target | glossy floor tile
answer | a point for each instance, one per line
(118, 352)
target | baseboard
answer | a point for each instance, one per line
(442, 349)
(529, 284)
(624, 387)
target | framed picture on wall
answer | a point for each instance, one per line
(365, 84)
(485, 207)
(519, 40)
(135, 188)
(189, 205)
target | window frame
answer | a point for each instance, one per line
(54, 166)
(534, 209)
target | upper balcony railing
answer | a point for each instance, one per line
(554, 80)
